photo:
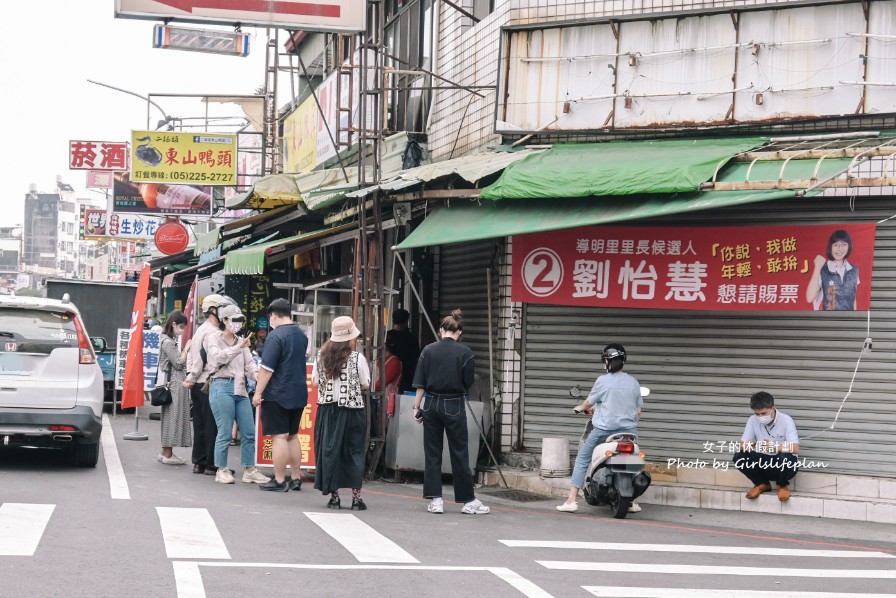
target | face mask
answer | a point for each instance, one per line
(235, 327)
(765, 419)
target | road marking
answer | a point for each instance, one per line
(686, 548)
(189, 580)
(21, 527)
(118, 484)
(191, 534)
(365, 543)
(526, 587)
(713, 570)
(615, 591)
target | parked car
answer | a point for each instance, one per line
(51, 387)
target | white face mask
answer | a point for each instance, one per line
(235, 327)
(764, 419)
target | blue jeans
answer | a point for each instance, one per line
(583, 459)
(227, 406)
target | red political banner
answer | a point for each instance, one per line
(264, 455)
(190, 313)
(132, 389)
(751, 268)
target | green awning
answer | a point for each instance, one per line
(207, 241)
(251, 259)
(617, 168)
(471, 221)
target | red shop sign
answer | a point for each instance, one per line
(171, 238)
(768, 268)
(264, 451)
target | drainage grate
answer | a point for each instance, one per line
(516, 495)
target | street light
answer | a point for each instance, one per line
(168, 119)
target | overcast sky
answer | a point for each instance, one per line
(51, 48)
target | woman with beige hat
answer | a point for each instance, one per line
(341, 374)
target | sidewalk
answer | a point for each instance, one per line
(829, 496)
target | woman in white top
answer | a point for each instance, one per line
(230, 363)
(341, 374)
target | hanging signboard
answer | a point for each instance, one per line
(151, 345)
(264, 455)
(309, 15)
(768, 268)
(94, 226)
(98, 155)
(183, 158)
(308, 135)
(99, 179)
(160, 198)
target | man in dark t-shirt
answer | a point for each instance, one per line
(283, 388)
(401, 342)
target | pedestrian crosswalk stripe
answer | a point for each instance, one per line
(118, 483)
(365, 543)
(22, 526)
(717, 570)
(687, 548)
(615, 591)
(191, 534)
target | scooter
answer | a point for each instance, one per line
(616, 474)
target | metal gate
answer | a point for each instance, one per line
(702, 367)
(463, 276)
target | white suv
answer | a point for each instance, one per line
(51, 387)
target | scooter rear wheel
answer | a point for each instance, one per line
(620, 505)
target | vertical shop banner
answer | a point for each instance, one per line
(264, 455)
(256, 301)
(183, 158)
(751, 268)
(134, 383)
(151, 349)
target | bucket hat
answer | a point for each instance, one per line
(343, 329)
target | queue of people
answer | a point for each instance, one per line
(211, 378)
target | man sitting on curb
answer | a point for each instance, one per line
(769, 448)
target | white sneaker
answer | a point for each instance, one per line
(172, 460)
(568, 507)
(253, 476)
(436, 506)
(475, 507)
(634, 508)
(223, 476)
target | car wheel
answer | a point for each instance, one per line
(86, 455)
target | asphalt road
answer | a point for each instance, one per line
(182, 535)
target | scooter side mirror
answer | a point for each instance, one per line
(575, 391)
(645, 392)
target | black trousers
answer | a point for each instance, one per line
(446, 418)
(204, 428)
(761, 468)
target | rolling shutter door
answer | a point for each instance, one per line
(702, 367)
(462, 283)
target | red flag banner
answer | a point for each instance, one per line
(190, 313)
(751, 268)
(132, 389)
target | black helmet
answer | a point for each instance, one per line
(613, 351)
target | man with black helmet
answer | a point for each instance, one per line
(615, 406)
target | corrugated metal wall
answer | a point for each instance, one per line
(462, 283)
(702, 367)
